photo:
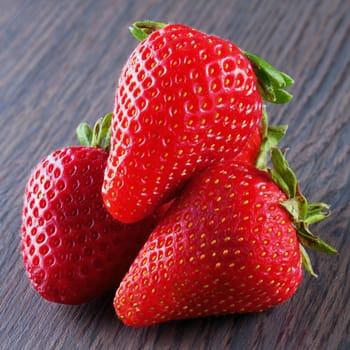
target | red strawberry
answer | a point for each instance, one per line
(73, 249)
(185, 99)
(226, 246)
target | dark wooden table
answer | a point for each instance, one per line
(59, 62)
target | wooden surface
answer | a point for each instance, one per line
(59, 62)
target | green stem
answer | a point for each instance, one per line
(302, 213)
(306, 261)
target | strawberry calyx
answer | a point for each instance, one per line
(99, 136)
(271, 82)
(302, 213)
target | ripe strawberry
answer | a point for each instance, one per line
(184, 100)
(73, 249)
(226, 246)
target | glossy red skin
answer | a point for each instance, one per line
(184, 100)
(73, 249)
(225, 246)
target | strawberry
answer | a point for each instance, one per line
(73, 249)
(185, 99)
(227, 245)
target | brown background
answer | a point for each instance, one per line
(59, 62)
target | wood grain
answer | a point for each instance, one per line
(59, 62)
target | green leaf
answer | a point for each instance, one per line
(282, 96)
(106, 124)
(264, 123)
(84, 134)
(101, 133)
(280, 181)
(284, 175)
(297, 207)
(301, 212)
(262, 65)
(106, 130)
(271, 136)
(96, 134)
(99, 136)
(308, 239)
(266, 88)
(287, 79)
(142, 29)
(306, 261)
(316, 212)
(276, 133)
(303, 204)
(292, 206)
(271, 82)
